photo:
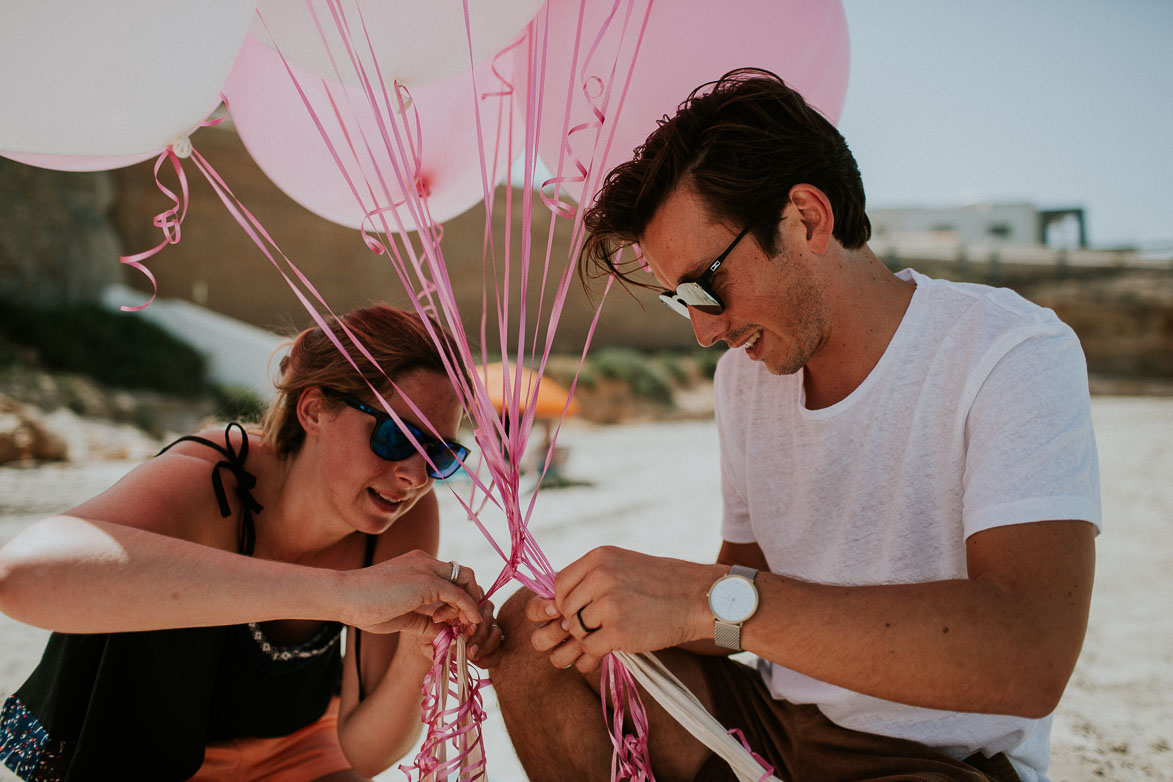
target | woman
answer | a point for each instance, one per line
(197, 604)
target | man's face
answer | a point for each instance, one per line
(774, 309)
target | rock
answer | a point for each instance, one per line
(24, 436)
(96, 440)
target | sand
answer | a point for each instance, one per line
(655, 489)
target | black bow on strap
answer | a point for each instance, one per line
(233, 461)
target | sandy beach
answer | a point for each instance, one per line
(655, 488)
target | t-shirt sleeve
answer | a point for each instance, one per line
(1030, 447)
(735, 523)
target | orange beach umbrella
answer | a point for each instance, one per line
(551, 399)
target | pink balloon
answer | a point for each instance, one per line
(686, 44)
(279, 133)
(79, 162)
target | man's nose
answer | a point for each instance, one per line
(708, 328)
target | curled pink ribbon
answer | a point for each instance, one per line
(168, 221)
(450, 726)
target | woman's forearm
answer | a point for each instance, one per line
(382, 728)
(77, 576)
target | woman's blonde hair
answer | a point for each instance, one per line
(398, 341)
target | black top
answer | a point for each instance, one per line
(143, 705)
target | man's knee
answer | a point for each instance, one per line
(511, 616)
(517, 650)
(516, 626)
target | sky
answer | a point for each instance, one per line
(1059, 104)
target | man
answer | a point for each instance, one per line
(909, 473)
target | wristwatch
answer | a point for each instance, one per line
(733, 599)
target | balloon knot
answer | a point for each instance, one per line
(181, 146)
(402, 98)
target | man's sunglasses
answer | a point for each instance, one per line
(697, 294)
(390, 442)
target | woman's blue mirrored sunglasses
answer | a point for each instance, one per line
(388, 440)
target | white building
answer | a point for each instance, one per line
(1020, 224)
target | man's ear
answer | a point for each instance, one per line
(814, 210)
(310, 407)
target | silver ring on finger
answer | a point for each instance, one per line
(455, 571)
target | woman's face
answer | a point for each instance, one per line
(371, 492)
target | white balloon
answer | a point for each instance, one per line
(415, 41)
(114, 78)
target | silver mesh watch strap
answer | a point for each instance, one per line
(725, 634)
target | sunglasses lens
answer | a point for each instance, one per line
(447, 459)
(691, 295)
(710, 309)
(674, 304)
(696, 296)
(389, 442)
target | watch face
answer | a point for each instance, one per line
(733, 599)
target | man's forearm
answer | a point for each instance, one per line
(994, 643)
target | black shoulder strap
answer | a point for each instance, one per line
(233, 461)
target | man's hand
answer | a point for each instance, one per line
(553, 637)
(613, 599)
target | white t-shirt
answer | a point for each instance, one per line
(977, 415)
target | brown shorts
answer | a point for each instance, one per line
(804, 746)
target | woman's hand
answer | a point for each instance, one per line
(483, 641)
(484, 645)
(410, 594)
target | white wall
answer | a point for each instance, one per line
(1018, 223)
(238, 353)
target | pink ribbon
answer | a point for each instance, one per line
(769, 770)
(458, 725)
(631, 758)
(169, 221)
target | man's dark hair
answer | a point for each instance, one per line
(742, 142)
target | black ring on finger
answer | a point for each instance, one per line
(583, 624)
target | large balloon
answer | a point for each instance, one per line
(279, 133)
(686, 43)
(414, 42)
(79, 162)
(94, 85)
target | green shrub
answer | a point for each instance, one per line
(238, 403)
(707, 359)
(677, 366)
(646, 379)
(562, 369)
(118, 349)
(10, 353)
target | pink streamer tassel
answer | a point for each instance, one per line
(453, 743)
(631, 759)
